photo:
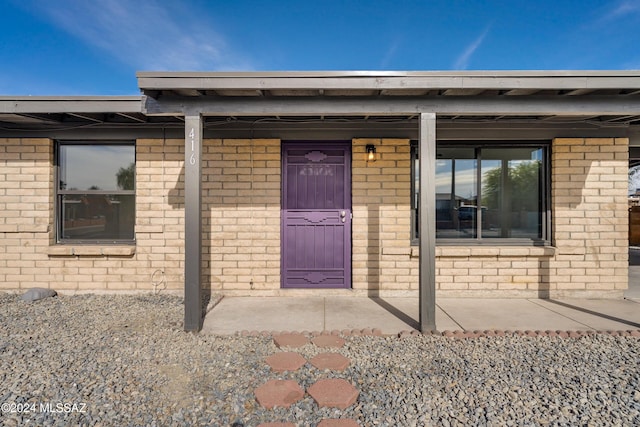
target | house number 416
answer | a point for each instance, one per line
(192, 136)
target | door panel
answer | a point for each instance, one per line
(316, 215)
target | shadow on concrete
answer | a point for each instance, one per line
(401, 315)
(595, 313)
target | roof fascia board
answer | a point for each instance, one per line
(253, 81)
(460, 105)
(24, 105)
(348, 74)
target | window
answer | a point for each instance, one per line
(95, 192)
(488, 192)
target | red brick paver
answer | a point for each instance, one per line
(338, 422)
(285, 361)
(290, 340)
(281, 393)
(328, 341)
(333, 393)
(333, 361)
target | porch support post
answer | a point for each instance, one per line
(427, 211)
(192, 222)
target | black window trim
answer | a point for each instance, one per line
(479, 241)
(58, 193)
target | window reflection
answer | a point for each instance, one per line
(96, 192)
(511, 192)
(486, 191)
(98, 217)
(456, 193)
(96, 167)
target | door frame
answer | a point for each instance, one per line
(319, 144)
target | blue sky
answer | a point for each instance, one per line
(86, 47)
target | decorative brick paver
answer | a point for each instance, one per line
(333, 361)
(290, 340)
(328, 392)
(338, 422)
(285, 361)
(333, 393)
(324, 341)
(281, 393)
(339, 393)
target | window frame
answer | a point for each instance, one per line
(59, 193)
(545, 188)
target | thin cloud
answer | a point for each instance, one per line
(622, 9)
(389, 54)
(463, 60)
(145, 34)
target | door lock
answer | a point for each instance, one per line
(343, 215)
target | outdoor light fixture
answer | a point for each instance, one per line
(371, 153)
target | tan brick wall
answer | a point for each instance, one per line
(25, 189)
(25, 210)
(28, 255)
(241, 198)
(159, 218)
(589, 252)
(241, 220)
(493, 271)
(241, 211)
(381, 217)
(590, 212)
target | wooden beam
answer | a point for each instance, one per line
(79, 104)
(457, 105)
(427, 230)
(130, 116)
(90, 117)
(193, 222)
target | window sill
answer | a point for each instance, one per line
(471, 251)
(91, 250)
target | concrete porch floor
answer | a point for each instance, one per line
(393, 315)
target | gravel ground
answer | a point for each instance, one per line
(124, 361)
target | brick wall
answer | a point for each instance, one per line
(588, 256)
(382, 216)
(241, 220)
(241, 199)
(25, 210)
(241, 211)
(590, 212)
(28, 255)
(493, 271)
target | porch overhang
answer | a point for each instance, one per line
(603, 99)
(455, 105)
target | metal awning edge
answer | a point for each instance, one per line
(70, 104)
(500, 80)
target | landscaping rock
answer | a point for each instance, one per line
(125, 360)
(36, 294)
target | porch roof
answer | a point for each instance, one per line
(597, 99)
(603, 98)
(390, 83)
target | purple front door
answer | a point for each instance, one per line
(316, 215)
